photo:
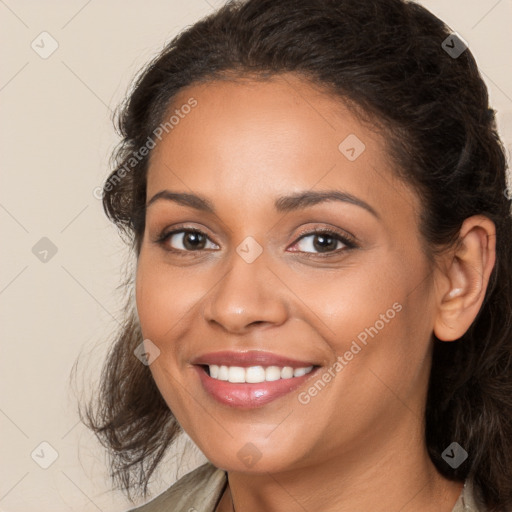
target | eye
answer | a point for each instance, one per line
(185, 240)
(324, 242)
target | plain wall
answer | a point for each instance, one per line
(56, 137)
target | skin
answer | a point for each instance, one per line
(359, 443)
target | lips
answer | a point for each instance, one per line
(249, 358)
(250, 379)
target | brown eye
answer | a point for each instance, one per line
(187, 240)
(321, 242)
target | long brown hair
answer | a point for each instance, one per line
(390, 59)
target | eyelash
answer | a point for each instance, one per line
(347, 240)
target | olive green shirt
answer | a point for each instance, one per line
(201, 490)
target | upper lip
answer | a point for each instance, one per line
(249, 358)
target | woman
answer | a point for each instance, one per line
(315, 194)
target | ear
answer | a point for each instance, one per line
(463, 280)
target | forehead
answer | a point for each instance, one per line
(250, 141)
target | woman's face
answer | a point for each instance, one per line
(258, 288)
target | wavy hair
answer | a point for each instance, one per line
(387, 59)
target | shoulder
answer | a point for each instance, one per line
(197, 491)
(469, 500)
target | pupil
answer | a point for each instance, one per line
(324, 242)
(193, 240)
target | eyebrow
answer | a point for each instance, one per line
(282, 204)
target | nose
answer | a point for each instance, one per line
(249, 294)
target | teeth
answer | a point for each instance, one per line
(255, 374)
(287, 372)
(214, 371)
(223, 373)
(272, 373)
(299, 372)
(236, 374)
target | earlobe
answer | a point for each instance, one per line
(466, 273)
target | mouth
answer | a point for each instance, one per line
(250, 379)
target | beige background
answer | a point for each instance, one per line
(56, 138)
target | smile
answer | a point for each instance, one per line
(255, 374)
(250, 379)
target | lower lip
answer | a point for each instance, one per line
(248, 396)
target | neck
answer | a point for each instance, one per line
(398, 476)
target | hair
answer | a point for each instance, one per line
(386, 58)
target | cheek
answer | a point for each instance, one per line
(354, 298)
(379, 315)
(164, 295)
(163, 299)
